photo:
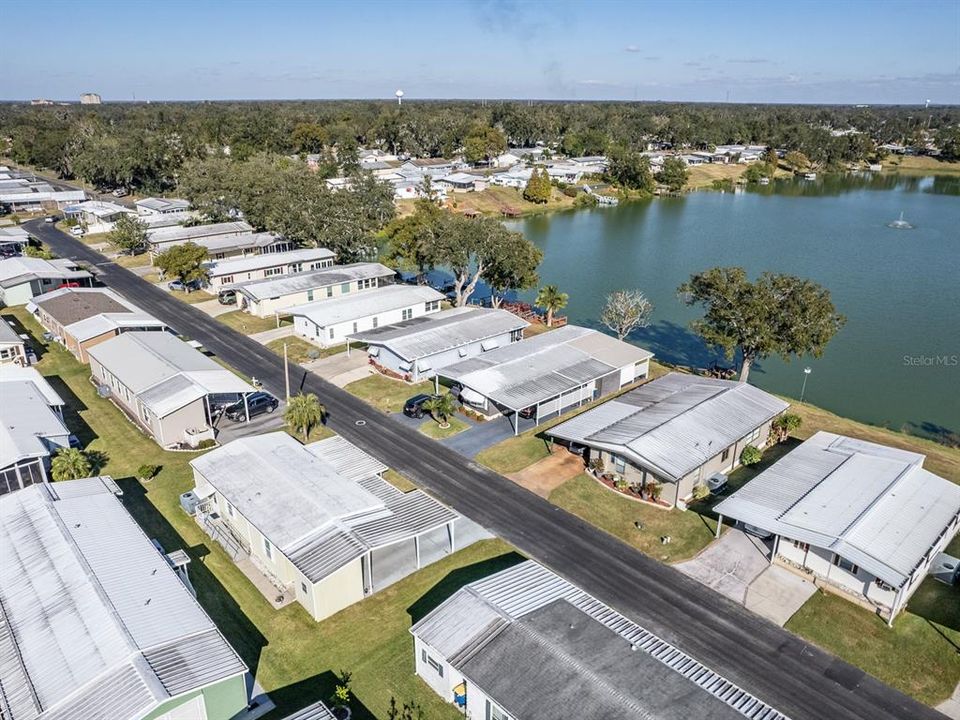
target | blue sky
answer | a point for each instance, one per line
(840, 51)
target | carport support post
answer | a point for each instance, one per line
(776, 546)
(719, 524)
(516, 423)
(246, 407)
(416, 547)
(453, 541)
(436, 384)
(895, 608)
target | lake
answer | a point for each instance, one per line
(895, 363)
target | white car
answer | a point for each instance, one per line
(756, 531)
(78, 231)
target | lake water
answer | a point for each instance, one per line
(894, 363)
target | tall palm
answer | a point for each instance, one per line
(551, 299)
(303, 412)
(70, 464)
(441, 407)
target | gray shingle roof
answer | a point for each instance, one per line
(542, 649)
(674, 424)
(70, 305)
(536, 369)
(871, 504)
(86, 601)
(430, 334)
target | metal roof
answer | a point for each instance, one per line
(15, 373)
(110, 322)
(160, 236)
(9, 336)
(316, 711)
(28, 427)
(93, 621)
(364, 304)
(218, 268)
(871, 504)
(163, 369)
(674, 424)
(317, 513)
(18, 270)
(427, 335)
(540, 368)
(164, 205)
(542, 648)
(312, 280)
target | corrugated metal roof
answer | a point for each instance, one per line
(673, 424)
(364, 304)
(326, 552)
(312, 280)
(542, 648)
(159, 236)
(317, 711)
(18, 270)
(218, 268)
(871, 504)
(108, 322)
(28, 427)
(15, 373)
(430, 334)
(83, 595)
(346, 458)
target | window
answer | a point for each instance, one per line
(725, 455)
(345, 288)
(226, 279)
(432, 663)
(801, 545)
(366, 283)
(269, 272)
(309, 295)
(406, 313)
(376, 322)
(330, 291)
(495, 712)
(354, 326)
(432, 305)
(845, 564)
(753, 436)
(268, 548)
(618, 463)
(296, 267)
(303, 587)
(231, 511)
(882, 585)
(331, 333)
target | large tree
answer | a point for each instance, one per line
(538, 188)
(625, 311)
(674, 174)
(484, 143)
(776, 315)
(184, 262)
(552, 300)
(303, 413)
(629, 169)
(411, 240)
(129, 235)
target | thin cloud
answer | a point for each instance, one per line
(751, 61)
(632, 48)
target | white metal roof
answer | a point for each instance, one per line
(163, 205)
(312, 280)
(673, 424)
(219, 268)
(537, 369)
(542, 648)
(427, 335)
(15, 373)
(96, 625)
(9, 336)
(346, 458)
(365, 304)
(101, 208)
(871, 504)
(28, 427)
(18, 270)
(163, 370)
(160, 236)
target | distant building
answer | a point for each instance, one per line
(161, 206)
(41, 101)
(97, 216)
(259, 267)
(90, 99)
(22, 278)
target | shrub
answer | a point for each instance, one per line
(621, 484)
(585, 200)
(597, 465)
(147, 472)
(786, 424)
(750, 455)
(206, 444)
(654, 490)
(570, 191)
(701, 492)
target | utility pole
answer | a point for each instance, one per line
(286, 371)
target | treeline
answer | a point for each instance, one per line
(145, 145)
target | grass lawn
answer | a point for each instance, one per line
(432, 429)
(514, 454)
(194, 297)
(293, 657)
(249, 324)
(703, 175)
(132, 261)
(495, 199)
(386, 393)
(400, 482)
(919, 165)
(615, 514)
(919, 655)
(301, 351)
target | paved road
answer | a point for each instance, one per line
(776, 666)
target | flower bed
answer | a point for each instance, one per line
(630, 491)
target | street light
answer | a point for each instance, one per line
(806, 373)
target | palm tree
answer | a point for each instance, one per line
(70, 464)
(303, 412)
(441, 407)
(552, 300)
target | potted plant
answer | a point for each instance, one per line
(621, 484)
(655, 489)
(340, 701)
(597, 466)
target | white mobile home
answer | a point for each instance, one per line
(318, 520)
(329, 322)
(31, 429)
(161, 206)
(162, 238)
(548, 373)
(22, 278)
(12, 347)
(415, 348)
(275, 295)
(98, 216)
(861, 518)
(260, 267)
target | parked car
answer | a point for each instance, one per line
(414, 406)
(227, 297)
(120, 192)
(50, 219)
(76, 230)
(181, 286)
(756, 531)
(257, 403)
(68, 284)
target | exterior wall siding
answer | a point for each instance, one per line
(304, 327)
(401, 367)
(267, 306)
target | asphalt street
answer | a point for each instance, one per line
(774, 665)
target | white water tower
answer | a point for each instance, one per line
(399, 94)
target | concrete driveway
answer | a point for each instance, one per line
(546, 475)
(738, 566)
(341, 369)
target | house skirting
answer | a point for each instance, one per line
(833, 588)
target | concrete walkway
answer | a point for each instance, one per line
(546, 475)
(213, 308)
(268, 336)
(951, 706)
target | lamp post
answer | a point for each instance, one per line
(806, 373)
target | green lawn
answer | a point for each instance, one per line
(514, 454)
(293, 657)
(919, 655)
(132, 261)
(193, 297)
(386, 393)
(400, 482)
(301, 351)
(249, 324)
(616, 514)
(432, 428)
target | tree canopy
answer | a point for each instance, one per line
(625, 311)
(129, 234)
(303, 413)
(674, 174)
(184, 262)
(629, 169)
(776, 315)
(538, 188)
(484, 143)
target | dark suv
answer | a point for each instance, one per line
(414, 406)
(257, 404)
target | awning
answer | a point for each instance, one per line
(490, 344)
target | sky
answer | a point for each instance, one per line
(806, 51)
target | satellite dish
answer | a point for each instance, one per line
(399, 94)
